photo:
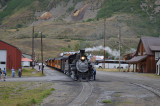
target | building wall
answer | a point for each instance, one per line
(13, 55)
(150, 64)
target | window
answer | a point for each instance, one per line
(3, 62)
(157, 55)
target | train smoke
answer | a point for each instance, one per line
(114, 52)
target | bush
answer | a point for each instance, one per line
(107, 101)
(70, 9)
(90, 19)
(19, 26)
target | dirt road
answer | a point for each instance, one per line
(110, 89)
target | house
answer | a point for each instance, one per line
(26, 62)
(158, 67)
(26, 56)
(147, 55)
(10, 56)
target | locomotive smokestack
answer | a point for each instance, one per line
(82, 52)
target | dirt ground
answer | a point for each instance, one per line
(109, 89)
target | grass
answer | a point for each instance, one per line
(14, 5)
(107, 101)
(110, 7)
(149, 75)
(117, 95)
(107, 70)
(26, 72)
(24, 93)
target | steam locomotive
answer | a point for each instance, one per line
(75, 65)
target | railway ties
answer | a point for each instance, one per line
(86, 92)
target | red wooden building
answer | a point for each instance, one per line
(147, 55)
(10, 56)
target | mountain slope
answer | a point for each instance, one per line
(135, 18)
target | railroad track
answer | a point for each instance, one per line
(86, 92)
(151, 89)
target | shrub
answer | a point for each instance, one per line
(70, 9)
(90, 19)
(19, 26)
(107, 101)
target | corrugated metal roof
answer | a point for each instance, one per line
(136, 59)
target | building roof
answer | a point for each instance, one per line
(25, 59)
(150, 44)
(27, 56)
(155, 48)
(136, 59)
(10, 45)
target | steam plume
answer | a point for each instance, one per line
(114, 52)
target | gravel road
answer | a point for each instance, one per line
(118, 88)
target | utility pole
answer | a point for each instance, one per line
(119, 36)
(33, 47)
(104, 39)
(38, 58)
(41, 50)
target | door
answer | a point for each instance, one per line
(159, 70)
(3, 58)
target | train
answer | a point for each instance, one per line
(76, 65)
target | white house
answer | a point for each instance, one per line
(26, 62)
(158, 67)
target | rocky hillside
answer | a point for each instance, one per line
(73, 24)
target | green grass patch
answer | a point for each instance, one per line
(149, 75)
(107, 70)
(30, 93)
(26, 72)
(113, 6)
(117, 95)
(107, 101)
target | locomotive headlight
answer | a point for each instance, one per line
(82, 58)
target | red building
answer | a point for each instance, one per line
(10, 56)
(147, 55)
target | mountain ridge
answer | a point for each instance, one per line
(135, 19)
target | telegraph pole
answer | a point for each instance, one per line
(41, 50)
(119, 35)
(33, 47)
(104, 39)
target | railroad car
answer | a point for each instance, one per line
(75, 65)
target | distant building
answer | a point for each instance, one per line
(26, 62)
(10, 56)
(26, 56)
(147, 55)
